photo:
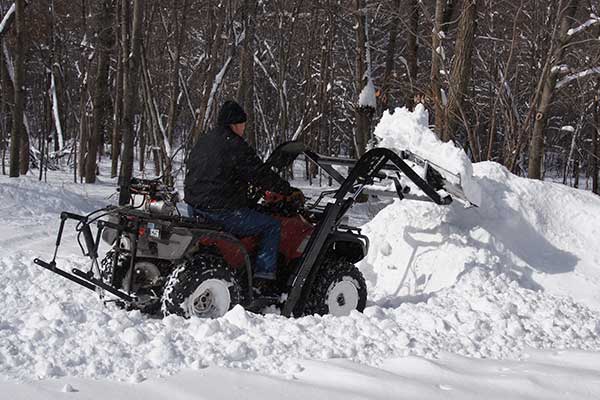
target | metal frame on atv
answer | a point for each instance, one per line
(329, 234)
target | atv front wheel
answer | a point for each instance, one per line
(203, 287)
(339, 288)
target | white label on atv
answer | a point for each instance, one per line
(155, 233)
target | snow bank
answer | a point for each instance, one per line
(546, 233)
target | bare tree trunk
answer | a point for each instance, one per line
(83, 136)
(101, 92)
(595, 144)
(576, 171)
(174, 85)
(436, 65)
(129, 101)
(120, 84)
(412, 48)
(24, 152)
(156, 158)
(44, 133)
(7, 98)
(389, 59)
(461, 76)
(155, 122)
(117, 107)
(17, 132)
(549, 78)
(215, 51)
(142, 137)
(363, 113)
(79, 144)
(245, 94)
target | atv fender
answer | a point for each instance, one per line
(351, 246)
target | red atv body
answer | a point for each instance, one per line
(295, 231)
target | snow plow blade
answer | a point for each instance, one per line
(435, 176)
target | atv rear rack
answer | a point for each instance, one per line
(91, 279)
(85, 279)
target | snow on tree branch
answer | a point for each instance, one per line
(7, 17)
(213, 90)
(569, 78)
(594, 19)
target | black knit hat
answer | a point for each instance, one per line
(231, 113)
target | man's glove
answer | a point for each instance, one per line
(296, 198)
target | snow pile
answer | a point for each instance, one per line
(547, 233)
(406, 130)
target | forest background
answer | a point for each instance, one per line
(511, 81)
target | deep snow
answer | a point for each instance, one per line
(496, 301)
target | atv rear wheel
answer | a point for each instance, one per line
(203, 287)
(339, 288)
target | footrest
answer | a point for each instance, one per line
(259, 303)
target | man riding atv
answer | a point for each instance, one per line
(304, 255)
(220, 167)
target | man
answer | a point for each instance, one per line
(221, 165)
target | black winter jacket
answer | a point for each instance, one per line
(221, 165)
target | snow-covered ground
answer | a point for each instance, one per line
(499, 301)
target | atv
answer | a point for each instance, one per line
(161, 262)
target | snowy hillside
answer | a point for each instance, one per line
(515, 282)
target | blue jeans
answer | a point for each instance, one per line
(247, 222)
